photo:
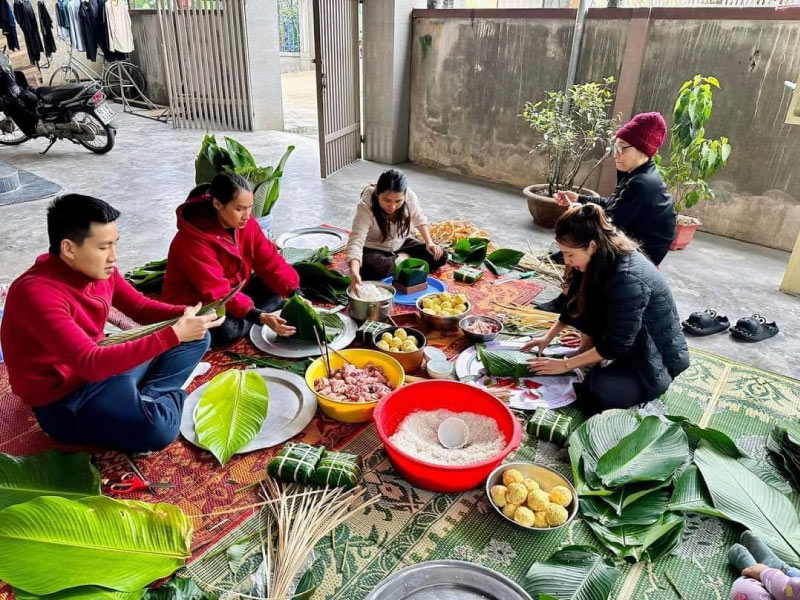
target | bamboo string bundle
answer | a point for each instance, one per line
(540, 262)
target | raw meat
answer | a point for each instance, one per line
(354, 384)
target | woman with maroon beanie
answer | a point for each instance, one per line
(640, 204)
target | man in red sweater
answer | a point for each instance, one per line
(126, 396)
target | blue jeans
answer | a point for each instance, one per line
(136, 411)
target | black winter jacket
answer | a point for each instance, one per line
(633, 320)
(642, 208)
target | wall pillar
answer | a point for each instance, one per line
(387, 32)
(627, 88)
(264, 61)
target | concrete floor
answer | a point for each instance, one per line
(151, 170)
(299, 90)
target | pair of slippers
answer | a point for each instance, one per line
(748, 329)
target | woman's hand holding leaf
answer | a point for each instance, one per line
(277, 324)
(191, 327)
(539, 343)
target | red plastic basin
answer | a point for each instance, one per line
(456, 397)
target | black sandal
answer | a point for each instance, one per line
(754, 329)
(707, 322)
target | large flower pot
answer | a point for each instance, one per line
(265, 223)
(684, 232)
(544, 209)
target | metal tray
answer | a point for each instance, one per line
(291, 407)
(270, 342)
(447, 580)
(313, 237)
(545, 391)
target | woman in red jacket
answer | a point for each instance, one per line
(217, 247)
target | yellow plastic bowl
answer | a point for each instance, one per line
(353, 412)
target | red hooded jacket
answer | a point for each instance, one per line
(53, 318)
(205, 263)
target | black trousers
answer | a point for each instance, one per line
(614, 386)
(234, 328)
(377, 264)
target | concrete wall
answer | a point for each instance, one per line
(472, 73)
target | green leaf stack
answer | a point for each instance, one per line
(572, 573)
(470, 251)
(784, 443)
(500, 262)
(622, 467)
(321, 283)
(230, 412)
(504, 363)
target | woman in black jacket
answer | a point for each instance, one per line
(631, 333)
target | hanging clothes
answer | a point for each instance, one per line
(8, 25)
(75, 29)
(95, 32)
(46, 25)
(62, 16)
(120, 35)
(26, 17)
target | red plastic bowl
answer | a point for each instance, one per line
(456, 397)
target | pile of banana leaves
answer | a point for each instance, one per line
(235, 158)
(636, 478)
(149, 277)
(784, 443)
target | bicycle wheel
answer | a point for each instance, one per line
(103, 134)
(123, 77)
(64, 74)
(10, 134)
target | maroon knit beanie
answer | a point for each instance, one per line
(645, 132)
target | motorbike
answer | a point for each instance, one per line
(77, 112)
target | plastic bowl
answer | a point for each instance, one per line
(353, 412)
(456, 397)
(479, 337)
(439, 369)
(442, 323)
(411, 361)
(547, 478)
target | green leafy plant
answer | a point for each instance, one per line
(470, 251)
(119, 544)
(179, 588)
(572, 573)
(230, 412)
(784, 443)
(502, 260)
(51, 473)
(570, 137)
(411, 271)
(693, 158)
(213, 159)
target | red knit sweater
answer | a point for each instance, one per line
(53, 319)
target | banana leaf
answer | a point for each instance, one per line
(411, 271)
(321, 283)
(49, 473)
(628, 494)
(653, 452)
(86, 592)
(313, 255)
(148, 277)
(691, 495)
(784, 444)
(305, 319)
(179, 588)
(572, 573)
(504, 363)
(210, 160)
(145, 330)
(298, 367)
(744, 498)
(501, 261)
(240, 156)
(272, 193)
(118, 544)
(637, 542)
(470, 251)
(592, 440)
(230, 412)
(306, 586)
(645, 511)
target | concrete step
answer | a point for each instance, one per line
(9, 179)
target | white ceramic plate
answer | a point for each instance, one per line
(270, 342)
(291, 407)
(527, 393)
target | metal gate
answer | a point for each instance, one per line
(205, 55)
(338, 86)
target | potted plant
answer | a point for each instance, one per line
(234, 157)
(572, 125)
(693, 158)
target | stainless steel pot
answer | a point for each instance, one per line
(378, 310)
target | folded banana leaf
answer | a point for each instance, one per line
(470, 251)
(504, 363)
(501, 261)
(641, 542)
(240, 156)
(321, 283)
(305, 319)
(296, 462)
(338, 469)
(572, 573)
(411, 271)
(550, 425)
